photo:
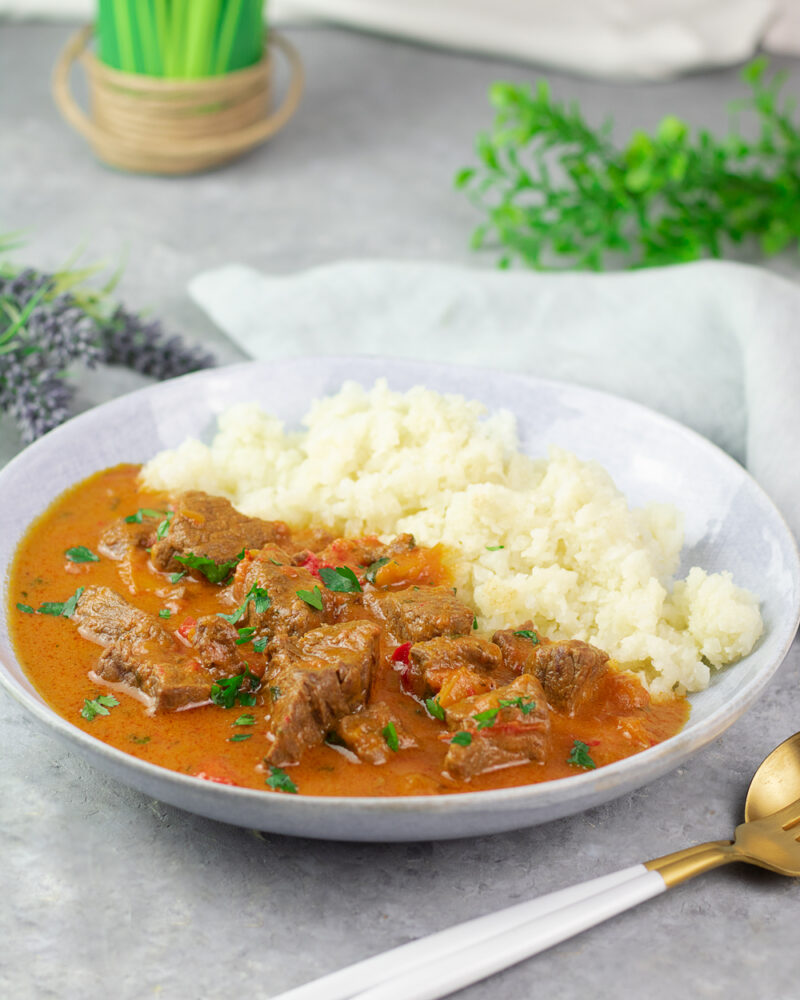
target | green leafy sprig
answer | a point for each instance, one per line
(556, 192)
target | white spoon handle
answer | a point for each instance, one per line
(507, 947)
(349, 982)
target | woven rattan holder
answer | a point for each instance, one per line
(152, 125)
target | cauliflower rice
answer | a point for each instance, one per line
(552, 540)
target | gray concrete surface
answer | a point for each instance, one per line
(105, 893)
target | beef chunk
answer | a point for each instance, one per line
(139, 652)
(288, 614)
(169, 678)
(364, 734)
(420, 613)
(515, 646)
(103, 616)
(315, 681)
(214, 640)
(210, 526)
(567, 669)
(310, 539)
(512, 728)
(455, 667)
(121, 537)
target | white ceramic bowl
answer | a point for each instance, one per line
(730, 524)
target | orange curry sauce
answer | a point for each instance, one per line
(618, 721)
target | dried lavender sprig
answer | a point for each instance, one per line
(60, 328)
(143, 346)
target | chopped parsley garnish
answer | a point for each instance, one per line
(462, 739)
(244, 720)
(274, 692)
(226, 690)
(487, 718)
(259, 645)
(526, 633)
(474, 621)
(245, 634)
(580, 757)
(25, 607)
(143, 512)
(214, 572)
(342, 579)
(280, 781)
(494, 548)
(526, 707)
(98, 706)
(433, 706)
(389, 733)
(80, 554)
(163, 527)
(373, 568)
(275, 562)
(176, 577)
(238, 737)
(311, 597)
(164, 613)
(62, 608)
(261, 601)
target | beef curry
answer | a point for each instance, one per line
(240, 651)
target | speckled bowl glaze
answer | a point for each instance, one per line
(730, 524)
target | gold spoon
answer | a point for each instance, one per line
(770, 834)
(437, 965)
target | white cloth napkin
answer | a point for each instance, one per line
(625, 39)
(715, 345)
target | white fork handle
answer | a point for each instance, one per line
(506, 948)
(349, 982)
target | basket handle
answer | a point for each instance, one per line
(243, 140)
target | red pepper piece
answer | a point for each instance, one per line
(400, 655)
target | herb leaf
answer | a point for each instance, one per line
(245, 634)
(176, 577)
(226, 690)
(244, 720)
(342, 579)
(164, 613)
(80, 554)
(280, 781)
(486, 719)
(61, 608)
(389, 733)
(462, 739)
(579, 756)
(259, 645)
(373, 568)
(98, 706)
(526, 707)
(433, 706)
(311, 597)
(163, 527)
(25, 607)
(494, 548)
(214, 572)
(238, 737)
(261, 602)
(526, 633)
(142, 513)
